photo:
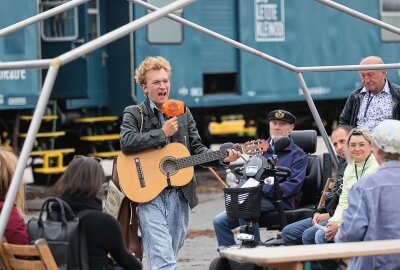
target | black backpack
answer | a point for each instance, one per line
(63, 232)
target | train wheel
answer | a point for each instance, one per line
(219, 264)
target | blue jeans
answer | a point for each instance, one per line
(320, 237)
(223, 225)
(163, 224)
(300, 232)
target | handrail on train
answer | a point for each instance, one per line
(41, 16)
(72, 55)
(48, 86)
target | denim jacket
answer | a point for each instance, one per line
(373, 215)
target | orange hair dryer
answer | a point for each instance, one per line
(172, 107)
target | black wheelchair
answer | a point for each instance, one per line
(245, 203)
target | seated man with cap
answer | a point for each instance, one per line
(374, 201)
(281, 123)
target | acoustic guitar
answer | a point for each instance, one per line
(142, 176)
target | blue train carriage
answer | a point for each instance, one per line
(19, 88)
(82, 87)
(211, 77)
(214, 78)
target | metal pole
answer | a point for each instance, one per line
(121, 31)
(360, 16)
(317, 118)
(41, 16)
(43, 63)
(348, 68)
(27, 147)
(47, 88)
(225, 39)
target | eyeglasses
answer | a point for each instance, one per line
(359, 132)
(82, 156)
(354, 146)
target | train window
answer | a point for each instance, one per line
(165, 30)
(217, 83)
(61, 27)
(93, 15)
(390, 13)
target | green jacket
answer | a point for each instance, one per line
(152, 137)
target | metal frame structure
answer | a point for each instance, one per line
(297, 70)
(54, 65)
(51, 76)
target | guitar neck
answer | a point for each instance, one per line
(251, 148)
(201, 158)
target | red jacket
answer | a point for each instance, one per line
(16, 231)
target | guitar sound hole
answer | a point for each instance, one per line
(168, 166)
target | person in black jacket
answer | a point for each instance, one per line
(80, 187)
(376, 101)
(164, 219)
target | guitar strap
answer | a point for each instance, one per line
(140, 108)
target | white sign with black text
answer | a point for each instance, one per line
(269, 19)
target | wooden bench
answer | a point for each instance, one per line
(293, 257)
(95, 131)
(100, 138)
(45, 118)
(58, 155)
(45, 134)
(328, 188)
(34, 257)
(105, 154)
(89, 120)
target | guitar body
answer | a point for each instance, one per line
(144, 175)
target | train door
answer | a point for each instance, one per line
(219, 60)
(83, 82)
(97, 61)
(203, 67)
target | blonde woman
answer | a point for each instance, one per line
(16, 231)
(361, 161)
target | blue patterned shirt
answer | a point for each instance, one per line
(375, 108)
